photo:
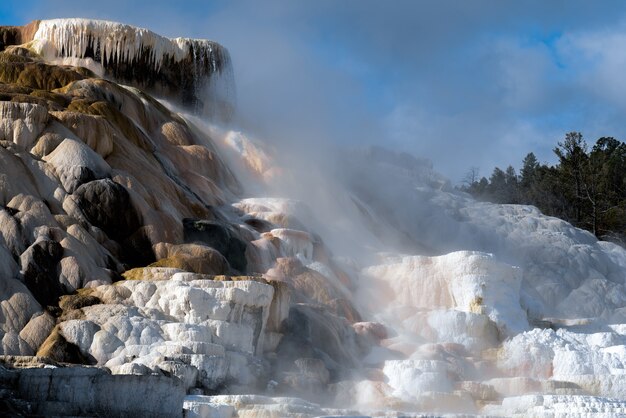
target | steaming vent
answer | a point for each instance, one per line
(195, 72)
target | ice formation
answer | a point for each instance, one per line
(194, 72)
(111, 42)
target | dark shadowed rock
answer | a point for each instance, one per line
(312, 332)
(80, 300)
(39, 264)
(77, 175)
(137, 249)
(220, 237)
(107, 205)
(9, 35)
(15, 35)
(374, 331)
(258, 224)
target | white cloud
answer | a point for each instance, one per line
(599, 60)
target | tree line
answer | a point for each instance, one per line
(587, 187)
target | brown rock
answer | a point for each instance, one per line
(57, 348)
(191, 257)
(37, 330)
(79, 300)
(373, 330)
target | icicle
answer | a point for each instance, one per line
(120, 43)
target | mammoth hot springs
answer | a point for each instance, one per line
(360, 209)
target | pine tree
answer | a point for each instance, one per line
(497, 186)
(586, 188)
(573, 158)
(529, 170)
(605, 186)
(512, 185)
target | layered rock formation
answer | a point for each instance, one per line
(44, 388)
(122, 205)
(129, 245)
(189, 70)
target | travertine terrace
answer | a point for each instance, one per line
(136, 255)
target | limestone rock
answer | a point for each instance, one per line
(93, 391)
(198, 406)
(204, 331)
(57, 348)
(45, 144)
(311, 287)
(22, 123)
(552, 405)
(17, 307)
(95, 131)
(33, 215)
(252, 405)
(77, 164)
(37, 330)
(202, 64)
(466, 281)
(11, 233)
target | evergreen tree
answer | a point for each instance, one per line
(528, 180)
(497, 186)
(529, 171)
(605, 186)
(586, 188)
(512, 186)
(573, 158)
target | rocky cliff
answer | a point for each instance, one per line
(119, 247)
(190, 71)
(134, 257)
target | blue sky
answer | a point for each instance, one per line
(464, 83)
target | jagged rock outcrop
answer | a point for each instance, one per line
(182, 68)
(101, 178)
(73, 213)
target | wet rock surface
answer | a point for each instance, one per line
(220, 237)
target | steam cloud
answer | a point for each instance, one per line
(464, 85)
